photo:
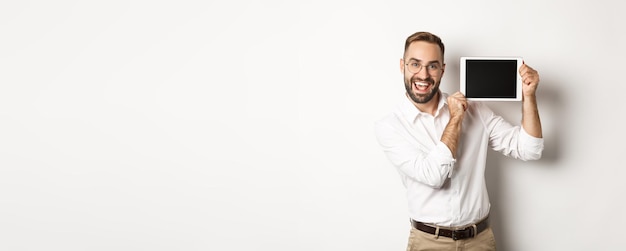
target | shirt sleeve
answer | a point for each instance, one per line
(431, 166)
(533, 146)
(510, 140)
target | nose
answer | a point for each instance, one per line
(422, 73)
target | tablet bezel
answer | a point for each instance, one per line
(518, 84)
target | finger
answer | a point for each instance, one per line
(527, 80)
(458, 95)
(529, 75)
(531, 81)
(523, 69)
(526, 70)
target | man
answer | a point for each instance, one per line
(439, 143)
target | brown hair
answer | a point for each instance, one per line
(426, 37)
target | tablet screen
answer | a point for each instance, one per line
(491, 79)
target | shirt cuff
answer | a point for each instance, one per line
(527, 139)
(444, 155)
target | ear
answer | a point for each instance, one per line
(402, 65)
(443, 69)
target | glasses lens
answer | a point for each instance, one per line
(433, 69)
(414, 67)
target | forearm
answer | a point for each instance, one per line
(530, 117)
(452, 133)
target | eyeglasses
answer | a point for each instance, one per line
(415, 67)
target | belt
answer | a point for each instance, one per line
(455, 234)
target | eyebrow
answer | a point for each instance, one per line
(419, 61)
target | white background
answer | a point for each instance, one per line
(248, 125)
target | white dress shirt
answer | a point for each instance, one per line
(442, 190)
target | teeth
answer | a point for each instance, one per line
(421, 84)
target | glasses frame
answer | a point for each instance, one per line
(420, 67)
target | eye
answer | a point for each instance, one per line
(414, 64)
(433, 66)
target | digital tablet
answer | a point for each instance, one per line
(491, 78)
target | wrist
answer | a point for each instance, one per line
(456, 118)
(529, 97)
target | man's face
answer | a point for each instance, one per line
(423, 84)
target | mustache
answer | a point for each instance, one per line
(427, 80)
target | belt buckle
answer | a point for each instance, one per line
(461, 234)
(455, 236)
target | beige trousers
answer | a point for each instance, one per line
(420, 241)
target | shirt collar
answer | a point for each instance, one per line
(411, 113)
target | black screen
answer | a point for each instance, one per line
(490, 78)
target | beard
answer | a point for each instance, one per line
(421, 98)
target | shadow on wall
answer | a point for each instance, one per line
(550, 103)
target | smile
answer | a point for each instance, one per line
(421, 86)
